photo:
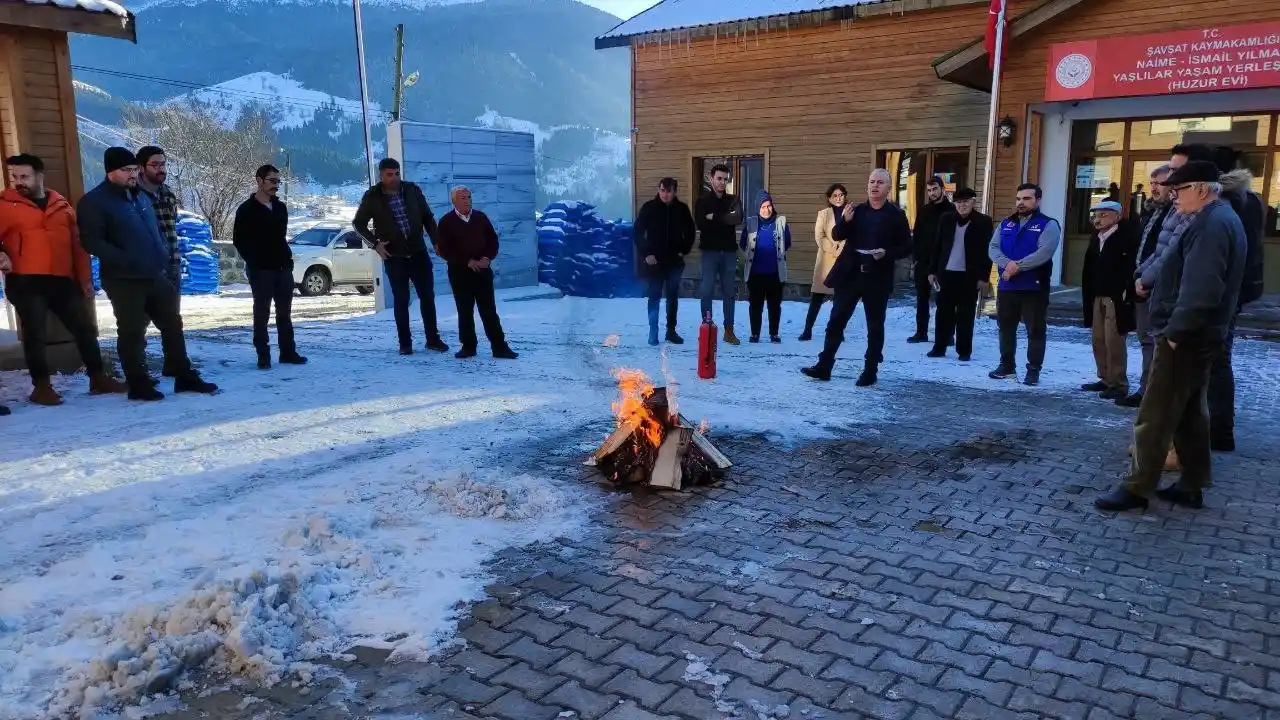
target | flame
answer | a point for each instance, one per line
(634, 387)
(704, 427)
(673, 405)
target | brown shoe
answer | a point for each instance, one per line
(1171, 463)
(729, 337)
(106, 385)
(44, 394)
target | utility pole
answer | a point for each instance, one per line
(288, 168)
(364, 94)
(399, 94)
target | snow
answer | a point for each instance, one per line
(356, 499)
(291, 105)
(602, 173)
(106, 6)
(141, 5)
(681, 14)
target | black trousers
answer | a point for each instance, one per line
(1222, 390)
(924, 290)
(138, 303)
(763, 289)
(402, 271)
(874, 296)
(1174, 409)
(272, 286)
(34, 297)
(1031, 308)
(957, 310)
(815, 305)
(472, 291)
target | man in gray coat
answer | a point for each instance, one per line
(1191, 306)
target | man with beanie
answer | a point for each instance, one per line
(925, 238)
(664, 233)
(260, 235)
(402, 223)
(1192, 304)
(118, 225)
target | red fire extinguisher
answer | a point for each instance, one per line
(707, 348)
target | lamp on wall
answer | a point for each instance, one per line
(1005, 130)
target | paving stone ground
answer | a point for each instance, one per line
(948, 564)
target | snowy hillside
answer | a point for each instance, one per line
(289, 104)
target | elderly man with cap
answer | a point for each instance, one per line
(1192, 304)
(118, 225)
(1107, 292)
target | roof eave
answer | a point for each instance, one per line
(69, 20)
(969, 66)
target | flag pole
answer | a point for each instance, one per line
(364, 93)
(996, 71)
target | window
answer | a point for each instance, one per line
(911, 170)
(315, 237)
(746, 176)
(350, 241)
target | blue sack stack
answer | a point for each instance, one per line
(584, 255)
(200, 269)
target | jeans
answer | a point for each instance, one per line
(815, 305)
(664, 282)
(762, 289)
(136, 304)
(472, 291)
(1142, 317)
(957, 311)
(1222, 389)
(1031, 308)
(722, 265)
(34, 297)
(924, 290)
(414, 269)
(1174, 408)
(875, 305)
(272, 286)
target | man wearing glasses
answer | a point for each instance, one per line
(260, 235)
(118, 225)
(152, 174)
(1192, 305)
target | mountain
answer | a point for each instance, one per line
(530, 63)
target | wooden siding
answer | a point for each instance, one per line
(1024, 80)
(818, 101)
(37, 105)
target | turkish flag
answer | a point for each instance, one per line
(993, 21)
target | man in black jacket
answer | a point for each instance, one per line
(717, 213)
(260, 236)
(664, 235)
(401, 217)
(876, 235)
(1106, 286)
(1152, 222)
(925, 237)
(960, 268)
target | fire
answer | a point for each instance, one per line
(634, 387)
(704, 427)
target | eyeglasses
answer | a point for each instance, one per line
(156, 165)
(272, 180)
(1180, 188)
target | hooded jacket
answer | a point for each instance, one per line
(42, 241)
(1248, 205)
(664, 230)
(765, 254)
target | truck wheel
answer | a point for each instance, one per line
(316, 282)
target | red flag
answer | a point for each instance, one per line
(993, 21)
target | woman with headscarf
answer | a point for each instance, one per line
(828, 250)
(766, 240)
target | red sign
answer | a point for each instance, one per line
(1238, 57)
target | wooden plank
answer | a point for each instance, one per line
(11, 58)
(668, 471)
(68, 20)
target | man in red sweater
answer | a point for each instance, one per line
(468, 243)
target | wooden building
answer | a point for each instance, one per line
(37, 99)
(797, 94)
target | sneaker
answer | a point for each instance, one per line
(1031, 378)
(817, 372)
(775, 339)
(918, 338)
(1120, 500)
(465, 353)
(729, 337)
(106, 385)
(435, 344)
(867, 378)
(506, 353)
(673, 337)
(1130, 401)
(936, 353)
(292, 359)
(1115, 393)
(1002, 373)
(806, 336)
(193, 383)
(1193, 499)
(1095, 386)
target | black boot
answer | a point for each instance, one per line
(1115, 393)
(1193, 499)
(465, 352)
(4, 410)
(292, 358)
(406, 349)
(1002, 372)
(919, 337)
(191, 382)
(868, 376)
(936, 352)
(505, 353)
(144, 390)
(1120, 500)
(1032, 377)
(806, 336)
(673, 337)
(818, 372)
(1130, 401)
(1094, 386)
(435, 344)
(264, 359)
(1222, 441)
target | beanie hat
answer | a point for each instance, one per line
(117, 157)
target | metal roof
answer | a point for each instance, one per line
(684, 14)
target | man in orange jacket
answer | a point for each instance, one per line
(46, 271)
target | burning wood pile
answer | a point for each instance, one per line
(654, 444)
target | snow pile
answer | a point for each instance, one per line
(584, 255)
(523, 498)
(106, 6)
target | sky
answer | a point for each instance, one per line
(622, 8)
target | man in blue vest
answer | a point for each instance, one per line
(1022, 249)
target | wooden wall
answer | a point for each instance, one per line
(817, 101)
(37, 104)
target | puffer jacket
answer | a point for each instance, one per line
(42, 241)
(1236, 190)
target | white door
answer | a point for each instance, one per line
(351, 264)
